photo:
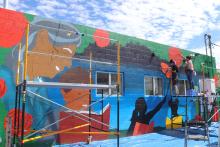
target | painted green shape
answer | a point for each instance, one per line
(29, 17)
(3, 114)
(86, 37)
(3, 54)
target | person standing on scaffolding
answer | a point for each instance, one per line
(189, 69)
(174, 70)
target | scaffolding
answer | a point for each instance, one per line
(203, 122)
(22, 91)
(195, 124)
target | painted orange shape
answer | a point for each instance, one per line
(101, 38)
(27, 122)
(176, 55)
(13, 26)
(140, 128)
(216, 80)
(3, 87)
(165, 69)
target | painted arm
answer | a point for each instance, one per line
(151, 114)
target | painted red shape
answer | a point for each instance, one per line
(13, 26)
(27, 122)
(3, 87)
(176, 55)
(215, 117)
(216, 80)
(198, 118)
(143, 128)
(165, 69)
(72, 121)
(101, 38)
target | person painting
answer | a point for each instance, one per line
(174, 77)
(141, 115)
(189, 69)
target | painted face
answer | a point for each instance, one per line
(50, 62)
(140, 105)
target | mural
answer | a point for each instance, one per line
(60, 52)
(141, 115)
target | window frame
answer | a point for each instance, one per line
(110, 80)
(185, 85)
(154, 81)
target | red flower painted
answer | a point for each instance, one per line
(176, 55)
(13, 25)
(3, 87)
(27, 121)
(216, 80)
(101, 38)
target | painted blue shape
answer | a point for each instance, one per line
(55, 95)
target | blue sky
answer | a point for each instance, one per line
(180, 23)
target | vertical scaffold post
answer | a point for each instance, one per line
(15, 115)
(118, 90)
(90, 96)
(24, 84)
(8, 131)
(16, 94)
(171, 94)
(90, 67)
(186, 124)
(203, 91)
(19, 101)
(102, 107)
(90, 101)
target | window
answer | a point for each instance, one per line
(153, 86)
(182, 86)
(108, 78)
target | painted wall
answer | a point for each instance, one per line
(56, 52)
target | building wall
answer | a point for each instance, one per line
(56, 52)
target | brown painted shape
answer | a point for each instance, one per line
(75, 98)
(48, 65)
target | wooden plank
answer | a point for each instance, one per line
(197, 137)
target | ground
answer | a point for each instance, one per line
(164, 138)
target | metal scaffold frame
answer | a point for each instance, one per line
(202, 101)
(21, 93)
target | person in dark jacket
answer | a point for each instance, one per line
(175, 71)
